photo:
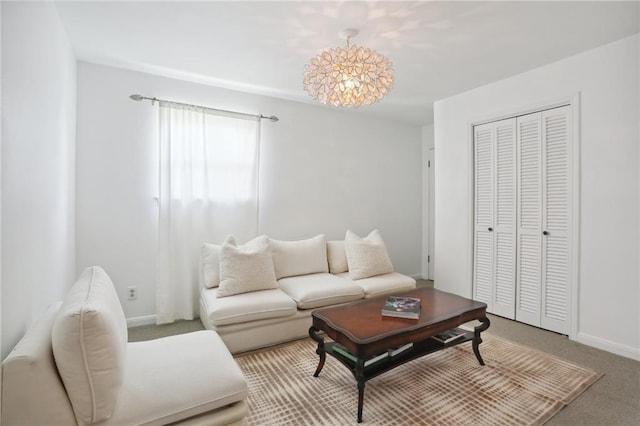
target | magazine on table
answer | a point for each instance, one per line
(401, 307)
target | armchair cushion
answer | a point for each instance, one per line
(177, 377)
(89, 340)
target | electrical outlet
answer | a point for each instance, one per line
(133, 293)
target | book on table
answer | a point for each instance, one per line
(401, 307)
(345, 353)
(388, 354)
(450, 335)
(401, 349)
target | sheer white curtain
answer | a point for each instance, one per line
(208, 190)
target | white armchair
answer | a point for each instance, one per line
(74, 366)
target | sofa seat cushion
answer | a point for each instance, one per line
(316, 290)
(244, 307)
(383, 284)
(177, 377)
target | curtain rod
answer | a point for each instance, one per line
(139, 98)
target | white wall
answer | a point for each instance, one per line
(609, 284)
(322, 171)
(38, 148)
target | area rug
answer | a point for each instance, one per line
(517, 386)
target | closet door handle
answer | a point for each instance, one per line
(490, 229)
(545, 233)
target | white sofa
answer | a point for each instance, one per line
(309, 274)
(74, 366)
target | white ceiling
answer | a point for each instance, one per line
(438, 49)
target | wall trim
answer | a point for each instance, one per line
(608, 345)
(140, 321)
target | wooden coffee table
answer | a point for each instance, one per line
(364, 332)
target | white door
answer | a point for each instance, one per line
(544, 216)
(522, 217)
(495, 216)
(505, 218)
(483, 265)
(529, 189)
(556, 207)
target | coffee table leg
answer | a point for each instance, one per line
(484, 324)
(313, 333)
(361, 381)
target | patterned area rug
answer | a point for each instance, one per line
(517, 386)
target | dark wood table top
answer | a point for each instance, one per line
(363, 329)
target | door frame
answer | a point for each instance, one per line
(431, 222)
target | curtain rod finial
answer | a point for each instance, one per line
(137, 98)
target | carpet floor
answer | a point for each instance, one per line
(517, 386)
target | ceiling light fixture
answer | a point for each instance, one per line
(348, 77)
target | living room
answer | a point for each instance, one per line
(80, 166)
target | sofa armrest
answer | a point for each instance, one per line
(32, 392)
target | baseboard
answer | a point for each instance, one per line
(609, 346)
(139, 321)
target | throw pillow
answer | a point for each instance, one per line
(302, 257)
(210, 254)
(246, 268)
(337, 257)
(366, 257)
(89, 342)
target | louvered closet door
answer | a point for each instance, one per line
(505, 218)
(529, 212)
(544, 202)
(483, 215)
(556, 131)
(494, 250)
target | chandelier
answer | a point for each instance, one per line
(348, 77)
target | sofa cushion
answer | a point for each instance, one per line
(291, 258)
(337, 257)
(383, 284)
(316, 290)
(366, 257)
(190, 374)
(210, 258)
(246, 307)
(246, 268)
(89, 340)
